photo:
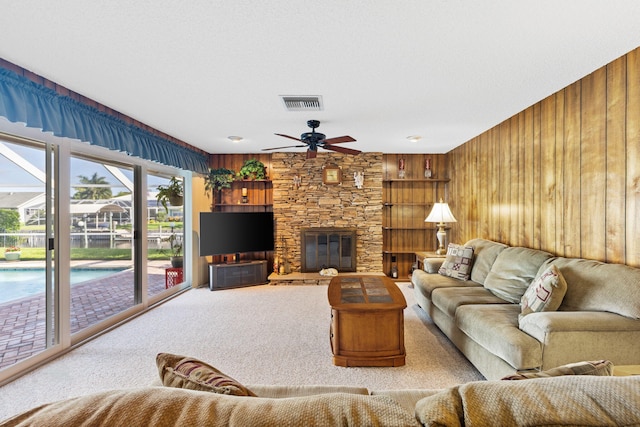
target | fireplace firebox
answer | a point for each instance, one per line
(328, 248)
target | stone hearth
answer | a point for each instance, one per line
(314, 204)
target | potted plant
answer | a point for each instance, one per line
(170, 194)
(177, 259)
(12, 253)
(217, 180)
(252, 169)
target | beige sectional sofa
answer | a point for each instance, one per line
(582, 394)
(598, 317)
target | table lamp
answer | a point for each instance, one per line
(440, 214)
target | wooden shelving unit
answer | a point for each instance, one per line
(406, 203)
(259, 196)
(260, 199)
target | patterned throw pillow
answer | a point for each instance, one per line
(193, 374)
(545, 292)
(458, 262)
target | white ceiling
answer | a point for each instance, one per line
(202, 70)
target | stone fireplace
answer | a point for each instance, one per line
(301, 201)
(328, 247)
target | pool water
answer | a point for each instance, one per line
(19, 283)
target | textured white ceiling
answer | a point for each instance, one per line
(202, 70)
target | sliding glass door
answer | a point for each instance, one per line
(165, 237)
(28, 299)
(84, 244)
(102, 275)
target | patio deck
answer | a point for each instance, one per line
(22, 321)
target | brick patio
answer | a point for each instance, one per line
(22, 321)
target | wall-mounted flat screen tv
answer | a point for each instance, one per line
(224, 233)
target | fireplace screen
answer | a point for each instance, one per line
(328, 248)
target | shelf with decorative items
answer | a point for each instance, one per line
(409, 192)
(247, 195)
(248, 189)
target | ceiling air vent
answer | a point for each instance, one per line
(302, 103)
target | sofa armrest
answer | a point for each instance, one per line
(541, 324)
(432, 265)
(584, 335)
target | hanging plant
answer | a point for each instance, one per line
(218, 179)
(171, 194)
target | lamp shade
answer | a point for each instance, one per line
(440, 213)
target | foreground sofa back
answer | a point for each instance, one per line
(567, 400)
(597, 319)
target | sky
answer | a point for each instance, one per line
(14, 178)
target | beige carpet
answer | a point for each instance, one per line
(258, 335)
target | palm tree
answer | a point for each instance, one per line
(98, 188)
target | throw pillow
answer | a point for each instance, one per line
(193, 374)
(600, 368)
(545, 292)
(458, 262)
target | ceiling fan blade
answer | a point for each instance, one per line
(287, 136)
(279, 148)
(338, 140)
(311, 154)
(343, 150)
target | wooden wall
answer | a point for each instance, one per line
(563, 175)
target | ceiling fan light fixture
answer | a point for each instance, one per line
(414, 138)
(234, 138)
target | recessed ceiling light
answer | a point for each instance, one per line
(414, 138)
(234, 138)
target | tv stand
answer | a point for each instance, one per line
(233, 275)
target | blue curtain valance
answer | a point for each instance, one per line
(24, 101)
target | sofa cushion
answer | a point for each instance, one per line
(162, 406)
(597, 286)
(190, 373)
(458, 262)
(513, 271)
(449, 299)
(425, 283)
(485, 253)
(572, 400)
(603, 368)
(545, 292)
(495, 328)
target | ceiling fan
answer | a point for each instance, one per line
(312, 140)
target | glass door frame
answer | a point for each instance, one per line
(59, 152)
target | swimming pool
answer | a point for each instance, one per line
(23, 282)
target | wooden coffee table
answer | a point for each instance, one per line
(367, 321)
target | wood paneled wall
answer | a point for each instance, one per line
(563, 175)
